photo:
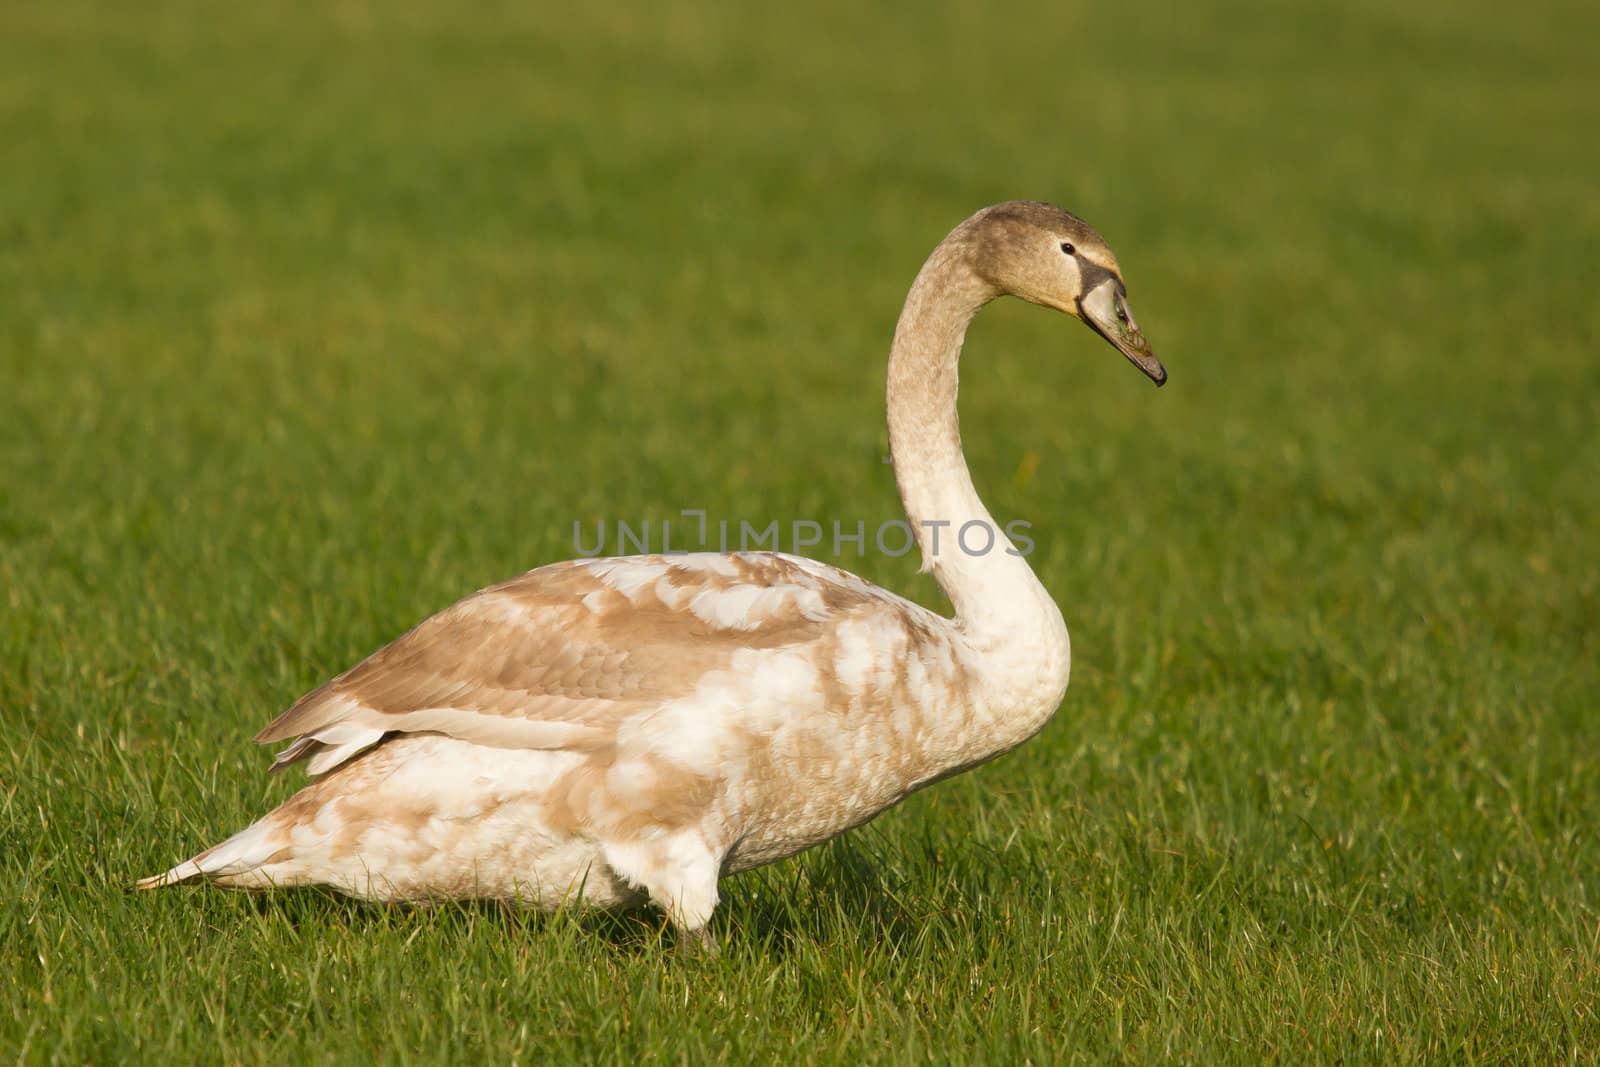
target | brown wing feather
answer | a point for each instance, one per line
(556, 657)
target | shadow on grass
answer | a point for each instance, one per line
(844, 889)
(637, 931)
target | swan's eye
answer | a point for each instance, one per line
(1122, 316)
(1066, 246)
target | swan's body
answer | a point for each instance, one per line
(615, 729)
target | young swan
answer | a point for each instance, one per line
(611, 730)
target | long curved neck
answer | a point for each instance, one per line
(997, 598)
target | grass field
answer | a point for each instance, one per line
(314, 318)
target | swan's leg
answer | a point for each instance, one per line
(701, 942)
(680, 873)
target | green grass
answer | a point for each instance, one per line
(314, 318)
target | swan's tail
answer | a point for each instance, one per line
(237, 862)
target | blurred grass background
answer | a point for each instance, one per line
(315, 317)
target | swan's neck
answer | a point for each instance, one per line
(1000, 604)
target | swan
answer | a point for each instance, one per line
(608, 731)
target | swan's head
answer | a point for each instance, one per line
(1044, 255)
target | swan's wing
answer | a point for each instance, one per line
(557, 658)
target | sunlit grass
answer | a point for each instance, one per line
(314, 319)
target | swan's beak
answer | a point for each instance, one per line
(1106, 311)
